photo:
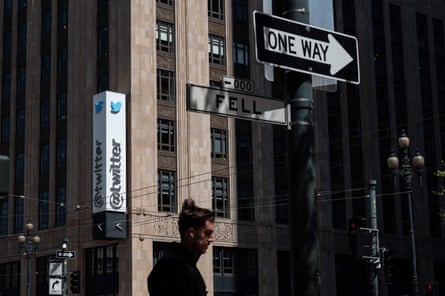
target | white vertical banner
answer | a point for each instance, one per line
(109, 153)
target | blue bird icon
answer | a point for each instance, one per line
(99, 105)
(116, 107)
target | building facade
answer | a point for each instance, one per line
(57, 54)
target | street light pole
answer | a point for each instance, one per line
(405, 172)
(28, 241)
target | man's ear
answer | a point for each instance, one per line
(190, 232)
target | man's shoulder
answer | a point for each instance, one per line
(171, 257)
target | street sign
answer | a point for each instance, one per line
(213, 100)
(55, 286)
(305, 48)
(237, 84)
(65, 254)
(56, 269)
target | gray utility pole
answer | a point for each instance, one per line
(372, 224)
(305, 257)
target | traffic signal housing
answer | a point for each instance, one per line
(75, 282)
(388, 265)
(353, 228)
(430, 289)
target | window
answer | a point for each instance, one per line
(7, 45)
(46, 25)
(284, 276)
(243, 134)
(6, 122)
(219, 143)
(8, 12)
(44, 159)
(60, 206)
(44, 113)
(4, 216)
(21, 80)
(223, 261)
(43, 210)
(22, 4)
(20, 121)
(241, 53)
(220, 197)
(166, 135)
(19, 167)
(165, 37)
(102, 272)
(103, 4)
(10, 279)
(167, 191)
(216, 9)
(216, 50)
(62, 17)
(280, 173)
(21, 39)
(166, 2)
(235, 271)
(103, 43)
(62, 64)
(18, 215)
(61, 153)
(6, 88)
(61, 107)
(46, 70)
(240, 12)
(166, 85)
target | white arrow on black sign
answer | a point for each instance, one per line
(65, 254)
(305, 48)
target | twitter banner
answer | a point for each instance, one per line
(109, 153)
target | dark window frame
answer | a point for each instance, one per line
(167, 192)
(221, 197)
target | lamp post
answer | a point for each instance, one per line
(28, 242)
(405, 172)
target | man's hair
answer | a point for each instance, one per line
(193, 216)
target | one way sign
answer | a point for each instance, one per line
(65, 254)
(301, 47)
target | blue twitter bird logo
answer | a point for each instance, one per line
(99, 105)
(116, 107)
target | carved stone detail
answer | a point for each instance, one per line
(163, 226)
(224, 232)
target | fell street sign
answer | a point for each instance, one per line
(65, 254)
(219, 101)
(305, 48)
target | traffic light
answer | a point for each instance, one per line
(75, 282)
(430, 289)
(387, 265)
(354, 227)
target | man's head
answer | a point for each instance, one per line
(196, 226)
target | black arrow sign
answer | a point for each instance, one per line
(304, 48)
(66, 254)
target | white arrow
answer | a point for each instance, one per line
(331, 53)
(338, 56)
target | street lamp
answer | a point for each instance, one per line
(28, 241)
(405, 172)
